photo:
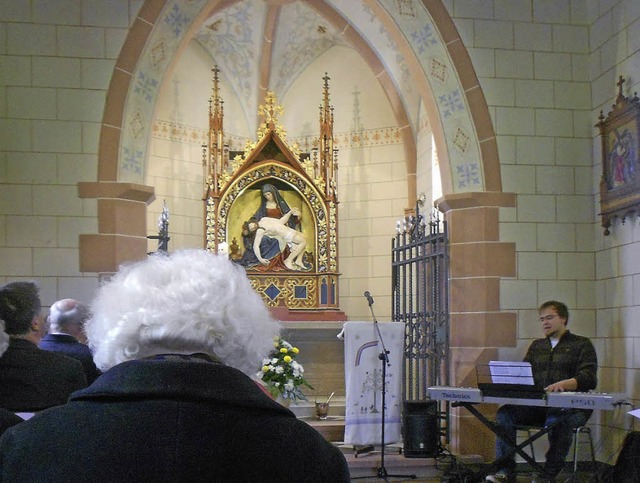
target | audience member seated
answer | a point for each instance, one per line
(66, 334)
(7, 418)
(32, 379)
(177, 336)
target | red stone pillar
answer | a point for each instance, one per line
(478, 260)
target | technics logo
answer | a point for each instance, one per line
(456, 395)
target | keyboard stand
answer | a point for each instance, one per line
(517, 448)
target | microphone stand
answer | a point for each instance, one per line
(384, 360)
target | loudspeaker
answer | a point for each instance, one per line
(627, 468)
(420, 429)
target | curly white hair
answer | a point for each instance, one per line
(186, 302)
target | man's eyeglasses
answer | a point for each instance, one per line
(548, 317)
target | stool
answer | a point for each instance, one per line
(576, 439)
(585, 430)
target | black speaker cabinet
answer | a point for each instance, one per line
(627, 468)
(420, 429)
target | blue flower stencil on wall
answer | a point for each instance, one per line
(424, 37)
(146, 86)
(449, 103)
(132, 160)
(177, 20)
(468, 174)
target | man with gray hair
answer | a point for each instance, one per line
(66, 334)
(31, 379)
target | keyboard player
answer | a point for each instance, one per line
(561, 361)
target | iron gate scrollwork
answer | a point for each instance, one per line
(420, 300)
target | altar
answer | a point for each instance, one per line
(322, 356)
(273, 210)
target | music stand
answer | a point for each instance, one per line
(384, 360)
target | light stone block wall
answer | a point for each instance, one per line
(615, 51)
(522, 68)
(373, 195)
(176, 173)
(56, 62)
(547, 69)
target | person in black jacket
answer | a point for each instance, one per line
(561, 361)
(7, 418)
(66, 334)
(177, 336)
(32, 379)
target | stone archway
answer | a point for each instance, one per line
(478, 258)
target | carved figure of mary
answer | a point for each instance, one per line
(272, 205)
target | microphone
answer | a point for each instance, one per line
(369, 298)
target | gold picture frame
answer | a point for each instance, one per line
(620, 137)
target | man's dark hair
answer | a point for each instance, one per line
(19, 304)
(246, 231)
(560, 308)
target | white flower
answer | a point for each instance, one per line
(282, 374)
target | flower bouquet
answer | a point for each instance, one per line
(282, 375)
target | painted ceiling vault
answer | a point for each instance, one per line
(262, 45)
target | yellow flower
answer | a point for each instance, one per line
(265, 368)
(295, 350)
(283, 350)
(287, 359)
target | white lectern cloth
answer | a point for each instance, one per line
(363, 382)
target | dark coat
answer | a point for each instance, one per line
(8, 419)
(169, 421)
(32, 379)
(69, 346)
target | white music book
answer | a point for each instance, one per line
(507, 372)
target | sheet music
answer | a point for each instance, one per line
(507, 372)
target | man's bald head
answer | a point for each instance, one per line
(67, 316)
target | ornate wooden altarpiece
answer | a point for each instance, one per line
(303, 183)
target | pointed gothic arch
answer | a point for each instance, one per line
(472, 210)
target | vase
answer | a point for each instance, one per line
(285, 402)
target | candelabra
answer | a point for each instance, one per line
(163, 230)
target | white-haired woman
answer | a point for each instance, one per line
(177, 336)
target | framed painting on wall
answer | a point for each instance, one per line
(620, 137)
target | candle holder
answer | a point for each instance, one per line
(322, 410)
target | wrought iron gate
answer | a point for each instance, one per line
(420, 299)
